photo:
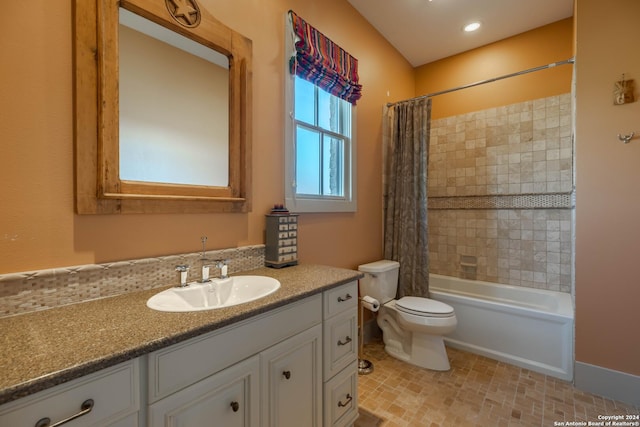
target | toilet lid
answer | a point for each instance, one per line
(424, 307)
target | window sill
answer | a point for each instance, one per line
(309, 205)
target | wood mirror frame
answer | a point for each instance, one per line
(98, 187)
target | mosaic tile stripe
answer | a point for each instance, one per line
(511, 201)
(28, 291)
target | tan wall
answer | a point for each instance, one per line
(541, 46)
(607, 194)
(38, 228)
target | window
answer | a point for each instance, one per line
(320, 150)
(320, 164)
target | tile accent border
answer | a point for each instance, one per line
(43, 289)
(510, 201)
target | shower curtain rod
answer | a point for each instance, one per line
(481, 82)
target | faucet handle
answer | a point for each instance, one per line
(184, 270)
(222, 265)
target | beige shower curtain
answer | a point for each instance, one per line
(406, 128)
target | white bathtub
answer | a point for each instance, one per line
(530, 328)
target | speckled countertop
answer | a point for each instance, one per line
(45, 348)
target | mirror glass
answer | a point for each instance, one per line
(174, 106)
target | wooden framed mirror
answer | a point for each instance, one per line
(105, 183)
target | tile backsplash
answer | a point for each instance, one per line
(42, 289)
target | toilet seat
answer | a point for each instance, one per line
(424, 307)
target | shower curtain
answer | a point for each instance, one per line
(406, 128)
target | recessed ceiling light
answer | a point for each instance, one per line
(471, 27)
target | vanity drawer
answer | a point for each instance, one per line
(340, 299)
(115, 393)
(340, 342)
(341, 398)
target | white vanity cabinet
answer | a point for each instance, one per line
(110, 397)
(196, 382)
(290, 367)
(340, 335)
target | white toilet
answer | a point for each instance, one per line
(412, 327)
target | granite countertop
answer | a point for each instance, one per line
(46, 348)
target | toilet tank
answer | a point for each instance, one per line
(380, 280)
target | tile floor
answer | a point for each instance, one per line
(477, 391)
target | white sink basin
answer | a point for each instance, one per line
(218, 293)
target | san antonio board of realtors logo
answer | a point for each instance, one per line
(185, 12)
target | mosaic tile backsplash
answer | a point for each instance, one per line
(501, 194)
(38, 290)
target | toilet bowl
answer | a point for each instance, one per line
(412, 327)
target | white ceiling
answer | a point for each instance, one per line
(424, 31)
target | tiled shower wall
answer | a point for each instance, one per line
(501, 194)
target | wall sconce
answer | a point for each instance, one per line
(623, 92)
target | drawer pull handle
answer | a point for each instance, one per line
(346, 402)
(346, 341)
(235, 406)
(85, 408)
(346, 298)
(287, 374)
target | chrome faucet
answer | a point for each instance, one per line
(184, 271)
(222, 265)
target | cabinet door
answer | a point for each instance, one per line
(292, 381)
(227, 399)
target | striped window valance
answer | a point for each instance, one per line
(322, 62)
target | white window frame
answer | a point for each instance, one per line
(314, 203)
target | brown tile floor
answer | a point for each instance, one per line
(477, 391)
